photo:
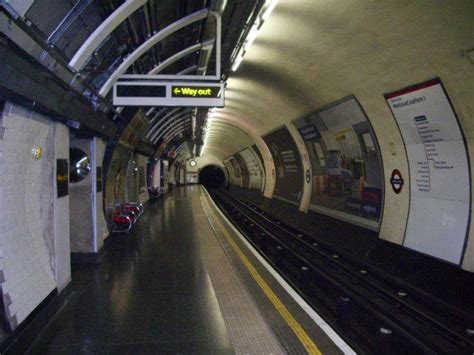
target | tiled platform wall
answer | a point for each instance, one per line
(34, 221)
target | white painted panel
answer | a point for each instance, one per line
(437, 227)
(439, 171)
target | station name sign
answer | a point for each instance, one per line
(168, 93)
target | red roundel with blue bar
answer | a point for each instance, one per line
(396, 181)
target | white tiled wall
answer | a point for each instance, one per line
(62, 248)
(26, 203)
(143, 161)
(102, 231)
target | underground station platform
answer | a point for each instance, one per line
(184, 281)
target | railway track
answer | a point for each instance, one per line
(375, 312)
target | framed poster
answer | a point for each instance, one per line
(347, 181)
(62, 177)
(289, 171)
(243, 170)
(440, 181)
(254, 172)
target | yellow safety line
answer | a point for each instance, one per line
(307, 342)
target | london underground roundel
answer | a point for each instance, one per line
(396, 181)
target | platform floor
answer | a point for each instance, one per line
(182, 282)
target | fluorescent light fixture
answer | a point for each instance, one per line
(237, 62)
(269, 9)
(251, 37)
(223, 5)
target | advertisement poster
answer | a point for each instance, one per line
(289, 174)
(243, 170)
(236, 169)
(439, 170)
(253, 167)
(259, 155)
(345, 159)
(230, 172)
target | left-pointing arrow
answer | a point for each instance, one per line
(176, 91)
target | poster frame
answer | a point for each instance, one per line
(274, 167)
(421, 85)
(376, 141)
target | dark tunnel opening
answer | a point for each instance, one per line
(212, 177)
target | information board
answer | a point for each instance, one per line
(347, 177)
(243, 170)
(255, 174)
(439, 170)
(289, 173)
(168, 93)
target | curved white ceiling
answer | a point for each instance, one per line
(311, 53)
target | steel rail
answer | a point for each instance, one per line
(284, 237)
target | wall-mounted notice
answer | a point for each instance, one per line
(236, 168)
(347, 178)
(255, 174)
(439, 170)
(243, 170)
(289, 174)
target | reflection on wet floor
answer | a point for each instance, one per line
(150, 294)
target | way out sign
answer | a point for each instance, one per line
(396, 181)
(168, 93)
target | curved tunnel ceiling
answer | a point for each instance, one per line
(101, 40)
(335, 49)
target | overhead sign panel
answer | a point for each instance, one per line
(169, 93)
(196, 91)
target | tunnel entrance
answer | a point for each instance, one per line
(212, 177)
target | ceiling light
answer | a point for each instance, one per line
(237, 62)
(251, 37)
(269, 9)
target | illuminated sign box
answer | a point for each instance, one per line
(170, 93)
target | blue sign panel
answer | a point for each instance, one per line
(309, 132)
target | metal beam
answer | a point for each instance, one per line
(168, 30)
(174, 58)
(169, 128)
(175, 118)
(104, 30)
(154, 126)
(30, 84)
(182, 125)
(173, 136)
(188, 70)
(170, 120)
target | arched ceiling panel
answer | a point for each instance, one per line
(339, 48)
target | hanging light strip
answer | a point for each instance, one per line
(252, 34)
